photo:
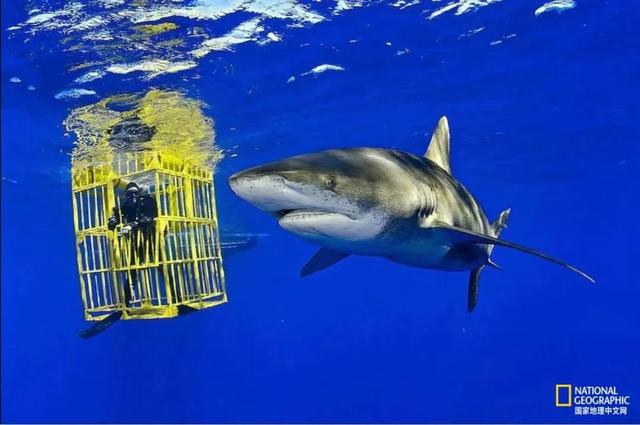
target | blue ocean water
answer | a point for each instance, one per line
(543, 112)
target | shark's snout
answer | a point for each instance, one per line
(269, 192)
(248, 179)
(234, 182)
(239, 183)
(319, 198)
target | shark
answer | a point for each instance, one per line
(385, 203)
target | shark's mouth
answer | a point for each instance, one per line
(300, 214)
(281, 213)
(329, 228)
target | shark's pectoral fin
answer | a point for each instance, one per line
(321, 260)
(472, 296)
(457, 235)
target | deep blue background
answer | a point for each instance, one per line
(545, 123)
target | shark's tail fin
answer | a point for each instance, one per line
(474, 278)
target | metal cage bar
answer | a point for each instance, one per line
(179, 264)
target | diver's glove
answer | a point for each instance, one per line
(146, 220)
(112, 223)
(125, 230)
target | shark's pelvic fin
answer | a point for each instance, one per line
(493, 264)
(458, 235)
(438, 150)
(321, 260)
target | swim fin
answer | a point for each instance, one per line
(185, 309)
(101, 326)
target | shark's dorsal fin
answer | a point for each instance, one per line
(438, 150)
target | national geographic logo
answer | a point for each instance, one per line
(563, 395)
(592, 400)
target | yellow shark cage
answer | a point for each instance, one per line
(178, 264)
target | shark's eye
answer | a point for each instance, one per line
(330, 182)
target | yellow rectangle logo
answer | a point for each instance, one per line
(561, 390)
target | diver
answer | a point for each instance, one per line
(138, 213)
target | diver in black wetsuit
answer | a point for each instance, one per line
(138, 213)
